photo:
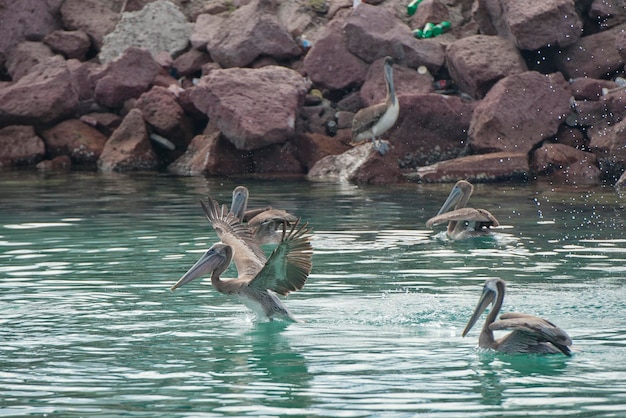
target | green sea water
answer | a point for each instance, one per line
(89, 327)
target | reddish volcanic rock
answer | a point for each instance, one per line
(586, 88)
(432, 11)
(430, 127)
(250, 32)
(312, 147)
(594, 56)
(60, 163)
(103, 122)
(26, 20)
(24, 56)
(330, 64)
(129, 148)
(190, 62)
(475, 168)
(44, 95)
(372, 32)
(530, 25)
(477, 62)
(20, 145)
(277, 158)
(94, 17)
(72, 44)
(566, 163)
(519, 111)
(252, 107)
(608, 142)
(81, 142)
(125, 78)
(212, 154)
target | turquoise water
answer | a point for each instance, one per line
(89, 327)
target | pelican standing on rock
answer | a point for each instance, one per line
(531, 334)
(373, 121)
(266, 223)
(463, 222)
(259, 279)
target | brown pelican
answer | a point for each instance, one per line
(260, 279)
(463, 222)
(266, 223)
(373, 121)
(531, 334)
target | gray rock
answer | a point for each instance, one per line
(159, 26)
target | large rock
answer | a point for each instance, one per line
(594, 56)
(160, 109)
(475, 168)
(533, 24)
(44, 95)
(129, 148)
(361, 164)
(608, 142)
(20, 145)
(81, 142)
(204, 29)
(212, 154)
(312, 147)
(277, 159)
(26, 20)
(159, 26)
(24, 56)
(94, 17)
(250, 32)
(372, 32)
(252, 107)
(477, 62)
(190, 62)
(330, 64)
(72, 44)
(127, 77)
(519, 111)
(566, 164)
(430, 127)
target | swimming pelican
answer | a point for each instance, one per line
(531, 334)
(259, 279)
(463, 222)
(266, 223)
(373, 121)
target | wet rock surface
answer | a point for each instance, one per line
(513, 90)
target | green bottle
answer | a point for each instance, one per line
(445, 25)
(428, 30)
(412, 7)
(418, 33)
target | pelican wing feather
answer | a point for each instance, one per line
(480, 216)
(366, 118)
(532, 330)
(289, 265)
(247, 254)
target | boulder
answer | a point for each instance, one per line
(312, 147)
(106, 123)
(250, 32)
(594, 56)
(608, 142)
(204, 29)
(60, 163)
(531, 25)
(128, 148)
(277, 159)
(587, 88)
(127, 77)
(26, 20)
(475, 168)
(253, 108)
(70, 43)
(211, 154)
(519, 111)
(160, 109)
(94, 17)
(361, 164)
(45, 95)
(81, 142)
(430, 127)
(373, 32)
(477, 62)
(433, 11)
(24, 56)
(329, 63)
(565, 163)
(159, 26)
(607, 13)
(20, 145)
(190, 62)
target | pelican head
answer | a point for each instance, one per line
(240, 201)
(388, 68)
(215, 261)
(491, 290)
(458, 197)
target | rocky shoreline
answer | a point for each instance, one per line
(513, 90)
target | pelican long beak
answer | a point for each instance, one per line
(239, 202)
(486, 298)
(452, 200)
(206, 264)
